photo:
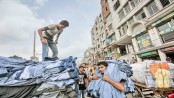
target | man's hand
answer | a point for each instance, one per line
(43, 41)
(95, 77)
(106, 78)
(56, 41)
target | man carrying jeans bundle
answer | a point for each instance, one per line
(47, 36)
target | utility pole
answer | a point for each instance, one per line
(34, 58)
(34, 44)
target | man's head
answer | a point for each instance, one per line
(63, 24)
(102, 66)
(169, 60)
(95, 66)
(81, 69)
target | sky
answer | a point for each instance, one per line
(20, 18)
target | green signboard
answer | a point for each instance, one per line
(147, 54)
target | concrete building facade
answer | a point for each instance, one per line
(143, 28)
(88, 56)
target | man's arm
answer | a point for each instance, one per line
(119, 86)
(57, 37)
(44, 41)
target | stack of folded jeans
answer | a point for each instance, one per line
(118, 71)
(57, 78)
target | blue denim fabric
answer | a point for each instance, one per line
(45, 50)
(81, 93)
(62, 82)
(103, 89)
(22, 72)
(123, 66)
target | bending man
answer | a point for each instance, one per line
(46, 36)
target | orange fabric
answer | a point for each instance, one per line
(154, 67)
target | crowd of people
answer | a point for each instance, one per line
(88, 73)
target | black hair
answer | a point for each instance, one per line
(102, 63)
(94, 64)
(81, 67)
(168, 59)
(65, 23)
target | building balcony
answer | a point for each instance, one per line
(125, 39)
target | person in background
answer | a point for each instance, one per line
(133, 60)
(169, 60)
(83, 82)
(92, 71)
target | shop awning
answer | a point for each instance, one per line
(148, 54)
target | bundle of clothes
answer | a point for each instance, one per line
(27, 79)
(156, 74)
(117, 70)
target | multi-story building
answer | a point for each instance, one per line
(98, 37)
(143, 28)
(89, 56)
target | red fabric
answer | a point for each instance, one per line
(170, 95)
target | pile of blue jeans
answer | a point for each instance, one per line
(61, 74)
(117, 70)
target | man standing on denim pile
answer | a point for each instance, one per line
(83, 82)
(46, 36)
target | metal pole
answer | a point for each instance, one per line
(34, 43)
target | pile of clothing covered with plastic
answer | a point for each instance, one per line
(117, 70)
(26, 79)
(156, 74)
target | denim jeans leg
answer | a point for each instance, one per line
(54, 49)
(44, 51)
(82, 93)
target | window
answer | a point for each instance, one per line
(172, 22)
(102, 28)
(121, 15)
(144, 41)
(98, 46)
(116, 5)
(132, 4)
(152, 8)
(123, 50)
(125, 27)
(130, 20)
(104, 42)
(136, 2)
(165, 2)
(167, 34)
(110, 27)
(96, 28)
(98, 39)
(168, 24)
(127, 8)
(121, 31)
(112, 37)
(141, 15)
(164, 26)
